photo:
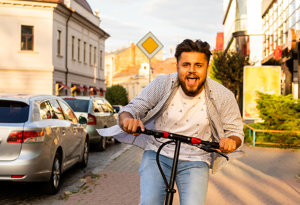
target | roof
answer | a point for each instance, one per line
(85, 4)
(159, 67)
(164, 67)
(81, 97)
(26, 98)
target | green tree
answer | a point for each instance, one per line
(227, 68)
(117, 95)
(279, 112)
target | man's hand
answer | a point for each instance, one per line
(129, 124)
(229, 144)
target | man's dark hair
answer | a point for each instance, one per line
(190, 46)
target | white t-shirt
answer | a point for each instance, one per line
(187, 116)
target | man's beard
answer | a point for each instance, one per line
(188, 92)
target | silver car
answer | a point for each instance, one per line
(99, 114)
(40, 138)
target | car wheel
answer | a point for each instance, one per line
(85, 155)
(102, 144)
(53, 184)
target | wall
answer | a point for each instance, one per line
(23, 71)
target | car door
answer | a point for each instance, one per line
(76, 129)
(64, 130)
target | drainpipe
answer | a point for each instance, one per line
(67, 28)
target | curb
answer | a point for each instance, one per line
(81, 182)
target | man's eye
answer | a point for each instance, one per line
(185, 65)
(198, 65)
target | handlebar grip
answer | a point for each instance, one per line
(139, 130)
(215, 145)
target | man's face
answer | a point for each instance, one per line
(192, 70)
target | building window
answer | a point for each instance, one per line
(73, 47)
(84, 52)
(90, 56)
(26, 38)
(100, 60)
(78, 50)
(58, 42)
(95, 55)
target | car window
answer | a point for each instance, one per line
(111, 109)
(97, 106)
(103, 105)
(45, 111)
(78, 105)
(13, 111)
(68, 112)
(56, 110)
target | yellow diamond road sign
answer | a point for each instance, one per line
(149, 45)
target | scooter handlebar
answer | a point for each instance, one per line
(186, 139)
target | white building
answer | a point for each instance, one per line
(50, 46)
(243, 28)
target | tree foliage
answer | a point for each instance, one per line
(227, 68)
(279, 112)
(117, 95)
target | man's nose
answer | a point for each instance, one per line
(192, 68)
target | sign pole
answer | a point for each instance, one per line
(149, 70)
(150, 46)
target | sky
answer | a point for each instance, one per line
(171, 21)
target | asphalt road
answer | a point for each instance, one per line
(32, 193)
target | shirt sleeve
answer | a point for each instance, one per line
(231, 118)
(139, 106)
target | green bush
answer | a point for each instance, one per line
(117, 95)
(278, 113)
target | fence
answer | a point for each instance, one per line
(253, 131)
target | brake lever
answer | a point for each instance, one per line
(209, 149)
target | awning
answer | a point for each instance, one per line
(78, 87)
(64, 86)
(94, 89)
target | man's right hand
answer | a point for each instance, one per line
(129, 124)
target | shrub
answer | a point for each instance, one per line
(117, 95)
(278, 113)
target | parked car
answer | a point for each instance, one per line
(99, 114)
(40, 138)
(117, 108)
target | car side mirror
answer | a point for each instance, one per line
(82, 120)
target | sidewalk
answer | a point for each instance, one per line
(264, 176)
(117, 184)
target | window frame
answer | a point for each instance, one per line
(58, 43)
(26, 38)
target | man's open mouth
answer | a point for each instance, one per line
(191, 80)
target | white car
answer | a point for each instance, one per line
(40, 138)
(99, 114)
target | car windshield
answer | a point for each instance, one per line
(13, 111)
(78, 105)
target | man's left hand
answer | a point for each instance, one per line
(229, 144)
